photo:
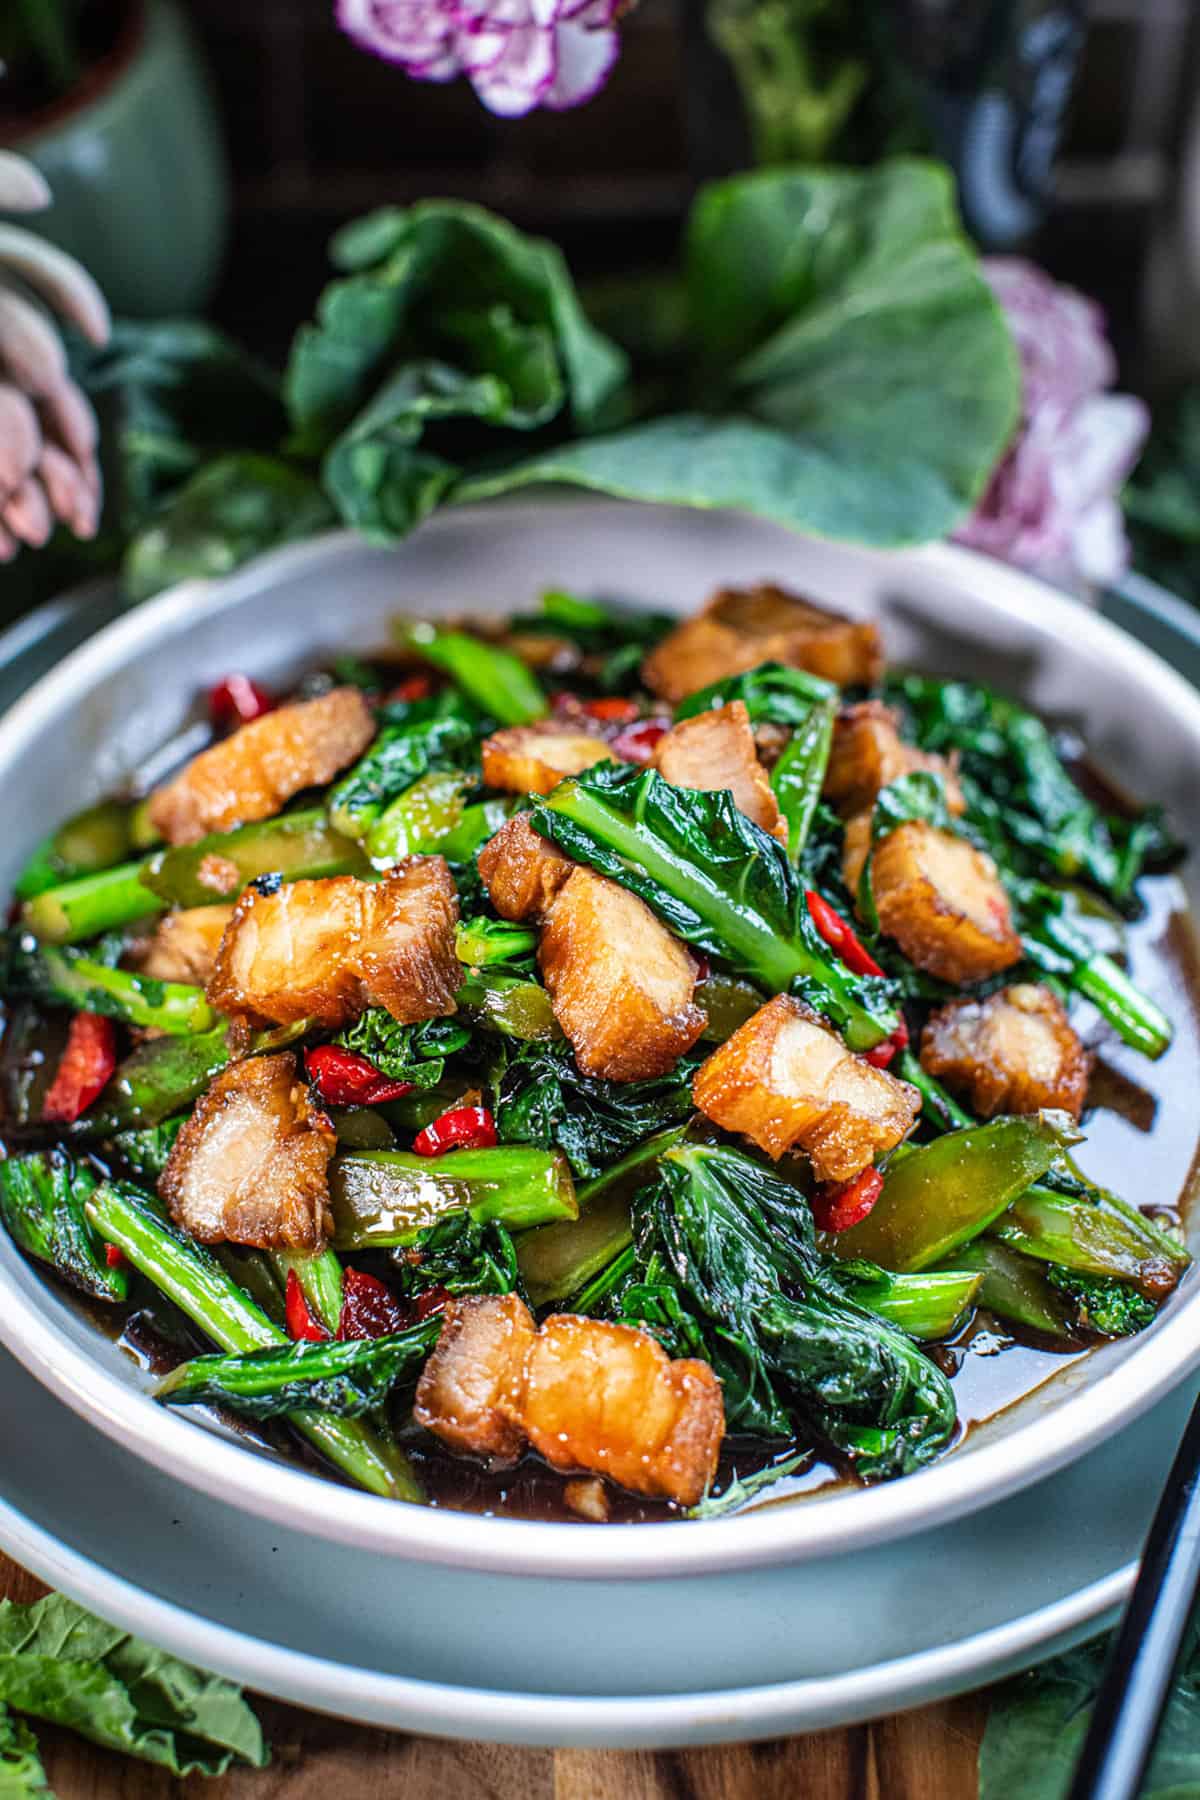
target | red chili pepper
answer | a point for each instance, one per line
(236, 700)
(613, 710)
(302, 1323)
(369, 1308)
(703, 966)
(87, 1064)
(637, 743)
(838, 935)
(413, 687)
(838, 1208)
(433, 1300)
(882, 1054)
(114, 1256)
(343, 1078)
(462, 1128)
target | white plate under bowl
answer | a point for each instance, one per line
(544, 1660)
(116, 698)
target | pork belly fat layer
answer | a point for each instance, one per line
(944, 904)
(742, 627)
(787, 1082)
(185, 944)
(621, 986)
(868, 754)
(1015, 1052)
(716, 750)
(522, 870)
(249, 1165)
(585, 1394)
(533, 759)
(325, 950)
(251, 774)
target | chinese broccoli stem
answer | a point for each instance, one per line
(91, 904)
(1014, 1287)
(320, 1279)
(494, 678)
(201, 1288)
(927, 1306)
(799, 775)
(59, 976)
(384, 1198)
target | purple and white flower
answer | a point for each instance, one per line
(517, 54)
(1052, 505)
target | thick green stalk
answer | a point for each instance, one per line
(59, 976)
(198, 1284)
(495, 679)
(478, 942)
(928, 1306)
(513, 1005)
(295, 846)
(385, 1198)
(320, 1279)
(91, 904)
(799, 775)
(1014, 1287)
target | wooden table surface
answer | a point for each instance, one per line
(927, 1755)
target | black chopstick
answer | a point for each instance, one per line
(1137, 1677)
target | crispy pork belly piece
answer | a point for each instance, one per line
(788, 1082)
(742, 627)
(532, 759)
(620, 984)
(868, 753)
(586, 1395)
(1015, 1052)
(325, 950)
(185, 944)
(716, 750)
(856, 848)
(249, 1165)
(943, 903)
(522, 870)
(252, 773)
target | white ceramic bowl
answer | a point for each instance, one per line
(81, 728)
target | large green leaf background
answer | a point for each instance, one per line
(838, 364)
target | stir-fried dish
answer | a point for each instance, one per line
(613, 1052)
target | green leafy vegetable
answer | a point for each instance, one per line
(22, 1776)
(480, 942)
(727, 1259)
(460, 1254)
(543, 1098)
(145, 1152)
(611, 641)
(43, 1200)
(718, 881)
(740, 1490)
(89, 904)
(509, 1003)
(413, 1053)
(60, 1663)
(447, 317)
(1102, 1304)
(1037, 1723)
(58, 976)
(445, 738)
(344, 1379)
(771, 693)
(490, 676)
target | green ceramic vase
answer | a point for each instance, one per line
(138, 172)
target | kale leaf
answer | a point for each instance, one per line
(414, 1053)
(1101, 1303)
(347, 1378)
(543, 1098)
(42, 1201)
(461, 1255)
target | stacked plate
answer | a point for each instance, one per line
(801, 1614)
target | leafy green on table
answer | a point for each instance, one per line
(62, 1664)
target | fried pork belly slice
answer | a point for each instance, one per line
(621, 986)
(742, 627)
(716, 750)
(249, 1165)
(1015, 1052)
(868, 753)
(325, 950)
(522, 870)
(787, 1081)
(251, 774)
(943, 903)
(185, 944)
(585, 1394)
(532, 759)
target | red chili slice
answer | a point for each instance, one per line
(838, 1208)
(369, 1308)
(637, 742)
(114, 1256)
(612, 711)
(413, 687)
(881, 1055)
(462, 1128)
(343, 1078)
(703, 966)
(838, 935)
(236, 700)
(433, 1300)
(84, 1072)
(302, 1323)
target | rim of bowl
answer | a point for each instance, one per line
(962, 1482)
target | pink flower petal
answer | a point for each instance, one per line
(586, 59)
(520, 78)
